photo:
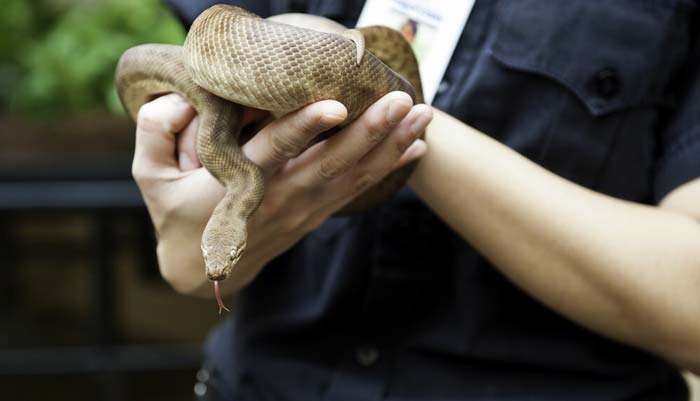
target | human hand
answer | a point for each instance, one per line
(304, 184)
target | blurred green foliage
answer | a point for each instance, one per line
(57, 57)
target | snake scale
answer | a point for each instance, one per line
(233, 58)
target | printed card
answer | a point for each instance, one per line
(433, 28)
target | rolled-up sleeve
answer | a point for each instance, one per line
(679, 156)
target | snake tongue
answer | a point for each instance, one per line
(219, 301)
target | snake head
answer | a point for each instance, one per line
(220, 259)
(221, 253)
(219, 266)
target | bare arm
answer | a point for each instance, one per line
(624, 270)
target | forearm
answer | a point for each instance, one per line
(625, 270)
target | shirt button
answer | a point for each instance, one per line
(200, 390)
(366, 356)
(607, 83)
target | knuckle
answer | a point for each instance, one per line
(145, 176)
(150, 118)
(284, 147)
(332, 167)
(308, 124)
(272, 207)
(364, 181)
(400, 147)
(376, 131)
(139, 172)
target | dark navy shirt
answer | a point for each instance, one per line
(392, 305)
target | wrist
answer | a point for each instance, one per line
(181, 263)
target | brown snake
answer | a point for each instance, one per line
(232, 57)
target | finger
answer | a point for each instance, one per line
(157, 123)
(187, 146)
(414, 152)
(401, 147)
(336, 155)
(285, 138)
(187, 156)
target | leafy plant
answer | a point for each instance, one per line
(59, 57)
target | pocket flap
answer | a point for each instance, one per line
(611, 55)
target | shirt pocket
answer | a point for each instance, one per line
(605, 70)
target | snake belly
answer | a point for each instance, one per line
(233, 58)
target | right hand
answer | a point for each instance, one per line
(304, 185)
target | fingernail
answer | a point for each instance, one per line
(397, 111)
(333, 115)
(186, 162)
(329, 120)
(420, 124)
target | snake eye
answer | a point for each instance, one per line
(232, 254)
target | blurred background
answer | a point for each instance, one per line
(84, 314)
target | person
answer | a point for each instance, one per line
(409, 29)
(547, 246)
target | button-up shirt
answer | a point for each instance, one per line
(391, 304)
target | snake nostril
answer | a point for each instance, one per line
(216, 276)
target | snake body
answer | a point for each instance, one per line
(232, 57)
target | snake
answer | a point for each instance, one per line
(232, 58)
